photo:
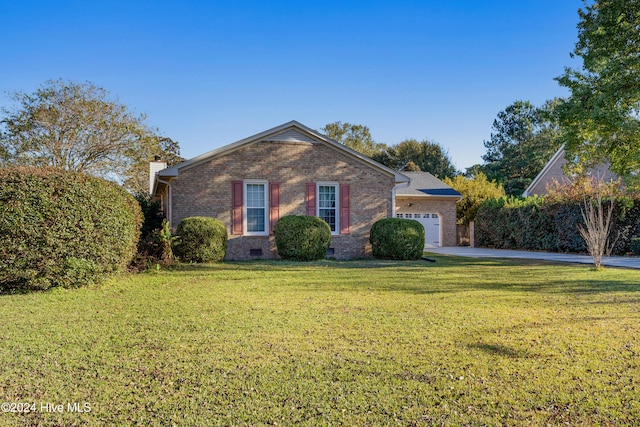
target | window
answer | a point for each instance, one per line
(256, 208)
(328, 205)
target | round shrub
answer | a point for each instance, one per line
(202, 239)
(302, 238)
(62, 228)
(397, 238)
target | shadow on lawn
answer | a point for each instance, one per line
(447, 274)
(292, 266)
(499, 350)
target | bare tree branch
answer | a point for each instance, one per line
(597, 215)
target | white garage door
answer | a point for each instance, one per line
(431, 224)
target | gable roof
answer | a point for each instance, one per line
(557, 157)
(292, 131)
(423, 184)
(553, 171)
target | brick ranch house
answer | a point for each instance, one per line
(294, 170)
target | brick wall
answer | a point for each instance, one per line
(446, 210)
(205, 189)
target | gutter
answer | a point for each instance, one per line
(393, 196)
(168, 184)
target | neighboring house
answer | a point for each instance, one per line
(553, 172)
(433, 204)
(288, 170)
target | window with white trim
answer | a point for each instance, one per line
(328, 209)
(255, 213)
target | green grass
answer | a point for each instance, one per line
(456, 342)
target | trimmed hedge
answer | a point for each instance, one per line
(397, 238)
(202, 239)
(302, 238)
(533, 224)
(62, 228)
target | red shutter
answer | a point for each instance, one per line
(274, 204)
(237, 202)
(311, 199)
(344, 208)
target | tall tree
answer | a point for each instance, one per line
(76, 126)
(523, 139)
(356, 137)
(428, 156)
(473, 170)
(600, 119)
(136, 178)
(411, 167)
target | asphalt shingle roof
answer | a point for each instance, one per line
(425, 184)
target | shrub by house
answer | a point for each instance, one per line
(62, 228)
(202, 239)
(302, 238)
(397, 238)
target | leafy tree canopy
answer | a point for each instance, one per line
(77, 127)
(411, 167)
(600, 119)
(475, 191)
(136, 178)
(356, 137)
(523, 140)
(412, 154)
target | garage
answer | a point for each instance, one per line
(430, 222)
(431, 202)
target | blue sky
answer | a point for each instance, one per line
(208, 73)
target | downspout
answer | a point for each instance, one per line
(393, 196)
(168, 184)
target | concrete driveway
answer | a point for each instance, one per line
(614, 261)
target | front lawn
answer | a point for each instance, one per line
(456, 342)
